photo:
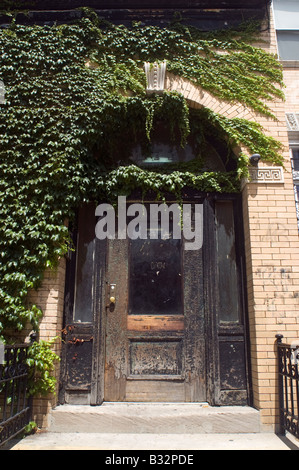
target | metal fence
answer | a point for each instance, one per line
(15, 411)
(288, 360)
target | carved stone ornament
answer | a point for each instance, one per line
(265, 175)
(155, 76)
(292, 122)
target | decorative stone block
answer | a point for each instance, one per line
(292, 122)
(267, 175)
(155, 76)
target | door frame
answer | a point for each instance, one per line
(218, 337)
(232, 334)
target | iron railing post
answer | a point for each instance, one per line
(33, 339)
(282, 430)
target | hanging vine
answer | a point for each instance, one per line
(76, 100)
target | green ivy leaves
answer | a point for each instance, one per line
(41, 359)
(76, 102)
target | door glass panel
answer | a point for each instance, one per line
(227, 265)
(155, 277)
(85, 264)
(164, 148)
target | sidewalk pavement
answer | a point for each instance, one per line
(132, 442)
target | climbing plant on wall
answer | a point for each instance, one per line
(75, 102)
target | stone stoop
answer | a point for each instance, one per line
(156, 418)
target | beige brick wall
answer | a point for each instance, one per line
(272, 252)
(291, 80)
(50, 298)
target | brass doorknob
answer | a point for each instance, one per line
(112, 300)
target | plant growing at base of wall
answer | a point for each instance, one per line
(41, 359)
(75, 103)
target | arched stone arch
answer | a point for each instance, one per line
(197, 98)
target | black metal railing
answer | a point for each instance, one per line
(288, 383)
(15, 410)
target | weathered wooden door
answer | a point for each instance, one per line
(177, 330)
(155, 325)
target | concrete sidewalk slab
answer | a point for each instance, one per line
(135, 442)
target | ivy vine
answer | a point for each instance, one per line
(41, 360)
(75, 102)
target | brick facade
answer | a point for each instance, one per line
(271, 246)
(50, 298)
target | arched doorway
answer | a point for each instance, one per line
(147, 319)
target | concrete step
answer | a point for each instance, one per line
(157, 418)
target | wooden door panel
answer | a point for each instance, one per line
(153, 358)
(155, 323)
(155, 330)
(116, 322)
(155, 391)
